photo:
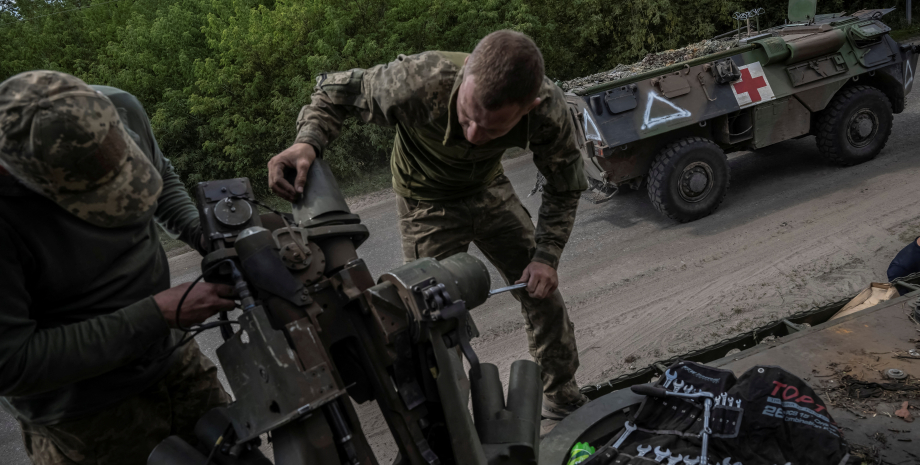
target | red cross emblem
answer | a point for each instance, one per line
(753, 86)
(750, 85)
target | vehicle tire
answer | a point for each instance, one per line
(855, 126)
(688, 179)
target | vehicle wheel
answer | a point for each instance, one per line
(688, 179)
(855, 126)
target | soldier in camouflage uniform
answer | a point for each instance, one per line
(455, 114)
(86, 365)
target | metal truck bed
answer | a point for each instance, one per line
(862, 346)
(839, 358)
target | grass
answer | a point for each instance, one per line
(908, 32)
(900, 31)
(377, 179)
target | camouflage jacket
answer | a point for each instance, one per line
(431, 160)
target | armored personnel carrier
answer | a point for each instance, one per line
(839, 77)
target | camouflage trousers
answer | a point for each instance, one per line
(500, 226)
(127, 432)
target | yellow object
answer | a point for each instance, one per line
(870, 297)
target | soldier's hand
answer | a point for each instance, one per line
(203, 301)
(541, 280)
(299, 157)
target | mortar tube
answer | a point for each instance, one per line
(321, 197)
(321, 204)
(525, 395)
(338, 252)
(487, 396)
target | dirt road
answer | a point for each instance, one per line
(793, 232)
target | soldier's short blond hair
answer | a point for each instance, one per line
(508, 68)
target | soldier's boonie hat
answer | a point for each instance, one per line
(66, 141)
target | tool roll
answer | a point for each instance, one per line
(696, 414)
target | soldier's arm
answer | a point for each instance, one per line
(406, 90)
(556, 155)
(175, 213)
(35, 359)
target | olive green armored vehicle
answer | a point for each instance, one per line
(839, 77)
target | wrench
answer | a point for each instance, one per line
(707, 414)
(728, 461)
(660, 456)
(678, 385)
(507, 288)
(738, 402)
(731, 401)
(669, 377)
(629, 429)
(672, 460)
(693, 461)
(723, 398)
(647, 390)
(643, 450)
(688, 389)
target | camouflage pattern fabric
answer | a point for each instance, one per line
(431, 160)
(500, 226)
(127, 432)
(66, 141)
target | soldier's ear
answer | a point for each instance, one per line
(533, 104)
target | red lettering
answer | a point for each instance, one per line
(805, 400)
(787, 396)
(776, 389)
(819, 408)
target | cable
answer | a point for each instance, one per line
(192, 334)
(187, 291)
(182, 301)
(195, 330)
(260, 204)
(217, 444)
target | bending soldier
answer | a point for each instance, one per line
(455, 115)
(86, 365)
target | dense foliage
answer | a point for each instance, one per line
(223, 80)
